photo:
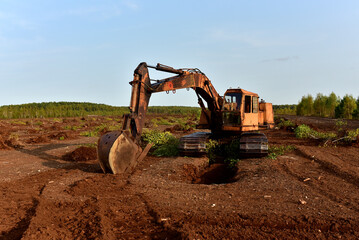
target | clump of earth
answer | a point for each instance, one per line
(81, 154)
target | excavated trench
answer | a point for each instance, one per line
(217, 173)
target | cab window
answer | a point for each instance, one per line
(247, 104)
(254, 104)
(234, 98)
(230, 99)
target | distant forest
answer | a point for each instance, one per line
(324, 106)
(331, 106)
(81, 109)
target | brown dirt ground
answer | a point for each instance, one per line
(310, 193)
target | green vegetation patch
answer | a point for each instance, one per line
(164, 143)
(228, 153)
(212, 150)
(59, 109)
(276, 151)
(283, 123)
(18, 122)
(304, 131)
(89, 133)
(285, 109)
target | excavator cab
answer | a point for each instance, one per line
(242, 110)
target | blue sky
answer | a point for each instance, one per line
(87, 50)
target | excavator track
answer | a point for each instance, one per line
(194, 144)
(253, 144)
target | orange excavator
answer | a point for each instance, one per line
(237, 113)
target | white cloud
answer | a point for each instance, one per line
(99, 11)
(12, 19)
(131, 4)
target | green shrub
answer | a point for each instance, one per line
(285, 123)
(164, 143)
(232, 162)
(57, 120)
(156, 137)
(169, 149)
(353, 134)
(18, 122)
(89, 134)
(228, 153)
(304, 131)
(276, 151)
(69, 127)
(162, 121)
(212, 149)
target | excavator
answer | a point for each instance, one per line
(237, 113)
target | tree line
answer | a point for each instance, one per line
(81, 109)
(329, 106)
(322, 106)
(289, 109)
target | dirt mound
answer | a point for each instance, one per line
(39, 139)
(55, 127)
(32, 131)
(3, 145)
(60, 136)
(179, 128)
(13, 142)
(81, 154)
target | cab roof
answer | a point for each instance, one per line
(239, 90)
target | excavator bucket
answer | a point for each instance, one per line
(119, 153)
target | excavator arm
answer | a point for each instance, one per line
(119, 151)
(142, 89)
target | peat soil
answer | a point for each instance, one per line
(309, 193)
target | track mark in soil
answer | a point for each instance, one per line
(322, 192)
(20, 228)
(332, 169)
(280, 226)
(41, 151)
(167, 232)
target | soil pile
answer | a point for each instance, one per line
(39, 139)
(7, 143)
(60, 136)
(3, 145)
(81, 154)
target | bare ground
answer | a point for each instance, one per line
(309, 193)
